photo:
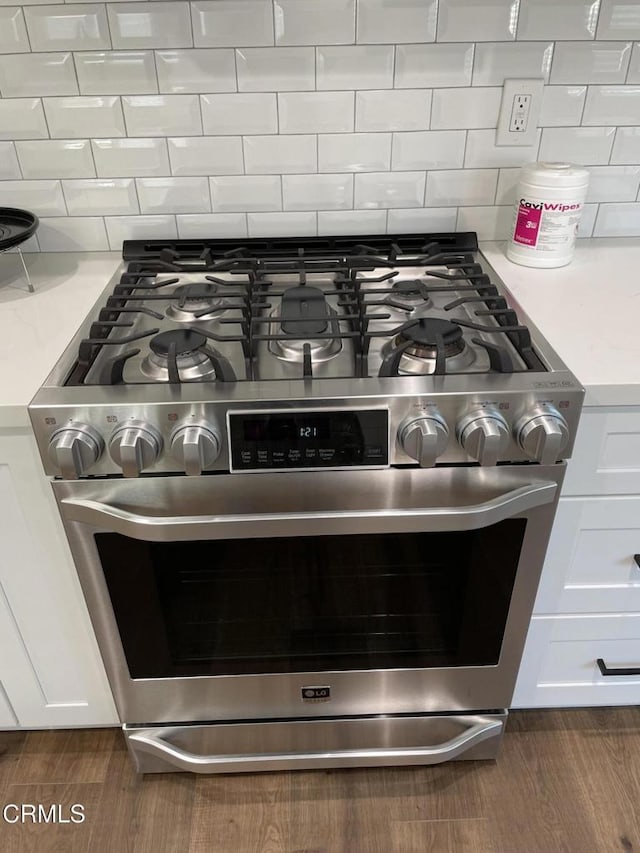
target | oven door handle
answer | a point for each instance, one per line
(154, 528)
(151, 742)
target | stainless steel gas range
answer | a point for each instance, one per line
(308, 485)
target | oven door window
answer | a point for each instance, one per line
(314, 603)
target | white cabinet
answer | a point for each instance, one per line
(51, 673)
(588, 603)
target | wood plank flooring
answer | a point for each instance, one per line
(566, 782)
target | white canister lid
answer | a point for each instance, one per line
(550, 174)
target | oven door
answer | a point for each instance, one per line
(306, 595)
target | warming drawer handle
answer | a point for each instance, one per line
(156, 528)
(154, 745)
(617, 670)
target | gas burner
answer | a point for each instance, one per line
(409, 295)
(424, 337)
(196, 302)
(192, 361)
(306, 321)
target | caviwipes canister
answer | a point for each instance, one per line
(549, 202)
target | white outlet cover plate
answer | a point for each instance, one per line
(534, 87)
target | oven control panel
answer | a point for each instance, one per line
(284, 440)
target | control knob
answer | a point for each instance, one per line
(135, 446)
(484, 435)
(424, 438)
(196, 445)
(543, 434)
(74, 448)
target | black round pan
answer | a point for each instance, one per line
(16, 226)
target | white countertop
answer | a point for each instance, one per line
(589, 311)
(36, 327)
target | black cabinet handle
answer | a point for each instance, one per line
(636, 557)
(619, 670)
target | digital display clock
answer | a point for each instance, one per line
(319, 439)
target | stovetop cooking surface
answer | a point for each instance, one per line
(235, 311)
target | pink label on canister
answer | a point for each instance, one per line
(527, 225)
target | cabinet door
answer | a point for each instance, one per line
(54, 675)
(593, 559)
(606, 456)
(559, 666)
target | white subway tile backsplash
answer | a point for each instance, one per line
(389, 189)
(490, 223)
(507, 183)
(613, 183)
(279, 155)
(336, 222)
(634, 65)
(206, 225)
(162, 115)
(232, 23)
(13, 33)
(310, 22)
(201, 70)
(37, 74)
(130, 157)
(587, 220)
(612, 105)
(256, 193)
(435, 149)
(273, 69)
(206, 155)
(591, 62)
(317, 192)
(562, 105)
(279, 117)
(22, 118)
(121, 228)
(69, 158)
(135, 26)
(68, 234)
(396, 109)
(619, 19)
(173, 195)
(239, 114)
(617, 220)
(84, 117)
(626, 146)
(115, 72)
(101, 197)
(396, 21)
(44, 198)
(9, 166)
(461, 187)
(432, 65)
(473, 107)
(357, 152)
(558, 19)
(589, 146)
(297, 224)
(316, 112)
(466, 20)
(354, 67)
(496, 61)
(80, 26)
(482, 151)
(422, 220)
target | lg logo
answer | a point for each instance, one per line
(316, 694)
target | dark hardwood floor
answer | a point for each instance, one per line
(566, 782)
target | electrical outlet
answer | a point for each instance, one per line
(520, 112)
